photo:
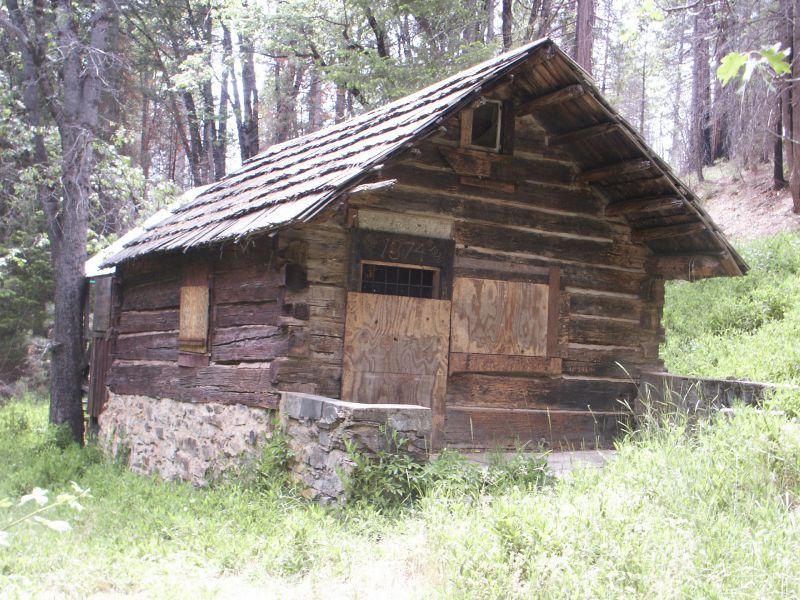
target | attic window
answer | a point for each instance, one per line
(486, 120)
(395, 280)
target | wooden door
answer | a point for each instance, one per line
(395, 351)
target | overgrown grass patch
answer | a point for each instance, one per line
(745, 327)
(709, 512)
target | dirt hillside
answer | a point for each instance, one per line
(744, 204)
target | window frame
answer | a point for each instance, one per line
(435, 270)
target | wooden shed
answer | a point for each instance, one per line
(493, 247)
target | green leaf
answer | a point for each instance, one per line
(776, 58)
(730, 65)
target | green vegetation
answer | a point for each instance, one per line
(745, 327)
(679, 513)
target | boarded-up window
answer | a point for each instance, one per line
(505, 326)
(194, 311)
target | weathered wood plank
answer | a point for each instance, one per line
(499, 317)
(531, 429)
(519, 213)
(156, 293)
(582, 134)
(254, 283)
(612, 172)
(461, 362)
(148, 346)
(643, 205)
(545, 195)
(689, 267)
(565, 94)
(667, 231)
(386, 336)
(536, 392)
(606, 306)
(253, 343)
(605, 331)
(215, 383)
(506, 239)
(482, 263)
(258, 313)
(149, 320)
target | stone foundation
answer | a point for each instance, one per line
(181, 440)
(317, 427)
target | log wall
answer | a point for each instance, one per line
(530, 217)
(276, 321)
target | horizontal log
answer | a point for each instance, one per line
(149, 346)
(541, 194)
(254, 343)
(607, 306)
(215, 383)
(531, 429)
(158, 292)
(605, 331)
(404, 199)
(258, 313)
(148, 320)
(547, 245)
(565, 94)
(461, 362)
(583, 134)
(667, 231)
(643, 205)
(554, 393)
(254, 283)
(305, 375)
(689, 267)
(482, 263)
(614, 171)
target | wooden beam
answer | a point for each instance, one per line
(613, 171)
(643, 205)
(583, 134)
(667, 231)
(686, 266)
(564, 94)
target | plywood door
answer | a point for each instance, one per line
(395, 351)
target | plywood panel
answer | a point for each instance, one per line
(194, 318)
(499, 317)
(395, 351)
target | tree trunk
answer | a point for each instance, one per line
(490, 5)
(794, 112)
(778, 180)
(508, 24)
(700, 135)
(584, 34)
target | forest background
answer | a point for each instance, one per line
(109, 109)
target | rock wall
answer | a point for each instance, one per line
(317, 427)
(181, 440)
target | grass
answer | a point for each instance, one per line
(703, 511)
(744, 327)
(679, 513)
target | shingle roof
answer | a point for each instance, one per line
(294, 180)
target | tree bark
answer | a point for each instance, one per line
(778, 180)
(584, 34)
(507, 24)
(700, 134)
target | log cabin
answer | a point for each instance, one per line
(493, 247)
